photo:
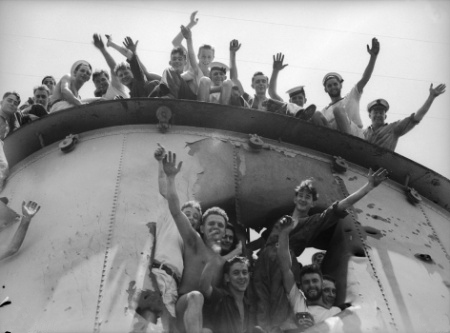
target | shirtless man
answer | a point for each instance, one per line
(260, 83)
(197, 250)
(65, 94)
(343, 112)
(29, 209)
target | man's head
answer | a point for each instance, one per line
(377, 111)
(328, 290)
(229, 238)
(123, 72)
(213, 224)
(260, 83)
(81, 71)
(218, 73)
(311, 282)
(236, 275)
(41, 95)
(332, 83)
(101, 81)
(178, 59)
(297, 95)
(305, 195)
(317, 258)
(10, 102)
(193, 212)
(205, 55)
(50, 82)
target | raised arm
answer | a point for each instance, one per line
(132, 47)
(234, 47)
(371, 65)
(434, 92)
(187, 34)
(29, 209)
(373, 180)
(179, 37)
(209, 274)
(122, 50)
(283, 254)
(188, 233)
(159, 154)
(277, 67)
(98, 43)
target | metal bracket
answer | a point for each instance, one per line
(164, 114)
(68, 144)
(255, 142)
(339, 164)
(413, 196)
(424, 257)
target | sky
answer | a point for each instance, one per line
(40, 38)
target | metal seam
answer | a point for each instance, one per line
(355, 223)
(434, 232)
(237, 182)
(112, 221)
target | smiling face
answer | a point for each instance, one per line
(312, 286)
(303, 201)
(177, 61)
(333, 87)
(238, 277)
(101, 83)
(298, 99)
(217, 77)
(377, 115)
(83, 73)
(213, 228)
(125, 76)
(227, 241)
(193, 215)
(328, 292)
(260, 83)
(205, 57)
(9, 104)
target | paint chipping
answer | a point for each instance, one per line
(371, 205)
(428, 245)
(67, 309)
(377, 217)
(359, 211)
(433, 237)
(353, 178)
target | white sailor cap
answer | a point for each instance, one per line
(376, 102)
(332, 75)
(296, 91)
(219, 65)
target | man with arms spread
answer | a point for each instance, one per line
(387, 135)
(197, 251)
(267, 276)
(343, 112)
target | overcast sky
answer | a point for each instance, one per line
(41, 38)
